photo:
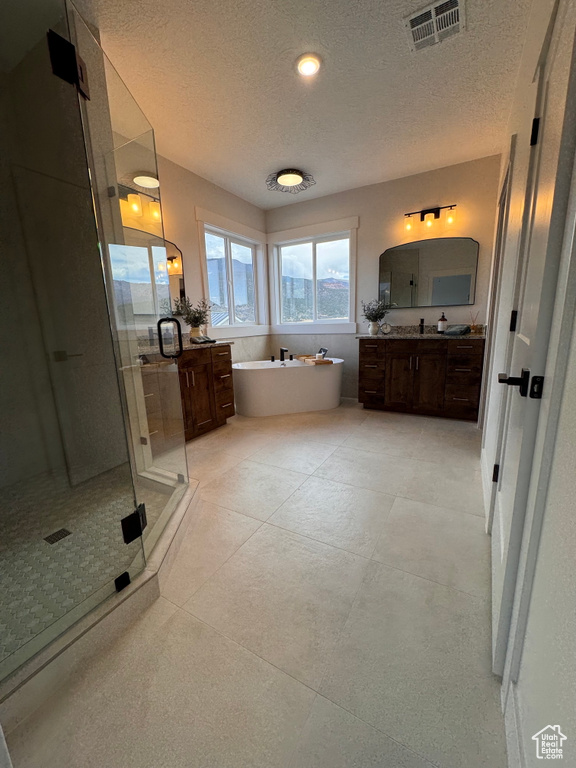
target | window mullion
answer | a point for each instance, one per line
(229, 283)
(314, 306)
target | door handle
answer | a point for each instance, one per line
(175, 322)
(410, 362)
(417, 363)
(522, 381)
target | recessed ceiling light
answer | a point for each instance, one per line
(308, 64)
(146, 181)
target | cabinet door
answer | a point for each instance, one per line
(187, 407)
(398, 392)
(202, 398)
(429, 383)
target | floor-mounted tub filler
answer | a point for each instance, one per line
(265, 388)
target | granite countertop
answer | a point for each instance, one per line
(423, 336)
(145, 348)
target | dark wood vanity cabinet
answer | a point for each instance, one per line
(437, 377)
(206, 387)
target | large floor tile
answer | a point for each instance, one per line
(173, 692)
(252, 489)
(214, 534)
(297, 455)
(438, 544)
(382, 438)
(414, 662)
(366, 469)
(283, 596)
(241, 441)
(461, 449)
(337, 514)
(333, 738)
(205, 463)
(445, 485)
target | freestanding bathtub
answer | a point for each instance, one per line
(263, 388)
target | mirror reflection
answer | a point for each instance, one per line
(430, 273)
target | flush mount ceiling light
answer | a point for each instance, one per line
(146, 180)
(308, 64)
(290, 180)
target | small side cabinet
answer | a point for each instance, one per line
(436, 377)
(206, 387)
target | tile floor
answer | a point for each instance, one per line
(328, 608)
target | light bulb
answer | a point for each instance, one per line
(308, 64)
(450, 216)
(428, 222)
(409, 223)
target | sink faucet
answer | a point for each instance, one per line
(283, 350)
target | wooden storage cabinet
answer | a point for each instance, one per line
(437, 377)
(207, 389)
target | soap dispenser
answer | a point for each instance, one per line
(442, 324)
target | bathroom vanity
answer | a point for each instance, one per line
(206, 386)
(431, 374)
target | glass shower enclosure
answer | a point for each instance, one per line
(91, 430)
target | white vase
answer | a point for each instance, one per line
(373, 328)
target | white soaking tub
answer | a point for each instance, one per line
(263, 388)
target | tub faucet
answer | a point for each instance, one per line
(283, 350)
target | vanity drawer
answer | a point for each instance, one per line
(462, 394)
(221, 352)
(191, 357)
(466, 347)
(372, 397)
(224, 405)
(464, 369)
(372, 350)
(430, 345)
(222, 377)
(372, 369)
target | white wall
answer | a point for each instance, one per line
(472, 186)
(182, 192)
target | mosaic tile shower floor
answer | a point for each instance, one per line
(41, 582)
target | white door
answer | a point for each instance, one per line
(535, 296)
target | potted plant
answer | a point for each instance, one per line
(375, 311)
(194, 316)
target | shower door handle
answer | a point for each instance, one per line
(175, 322)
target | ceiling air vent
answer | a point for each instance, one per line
(435, 23)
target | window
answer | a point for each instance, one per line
(231, 278)
(315, 280)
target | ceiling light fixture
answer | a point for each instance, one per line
(146, 180)
(308, 64)
(290, 180)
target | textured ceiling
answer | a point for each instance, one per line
(216, 79)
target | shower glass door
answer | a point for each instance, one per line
(136, 265)
(65, 475)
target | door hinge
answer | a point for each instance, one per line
(496, 473)
(134, 524)
(535, 132)
(536, 387)
(66, 63)
(513, 320)
(122, 581)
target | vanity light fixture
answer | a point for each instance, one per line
(135, 205)
(155, 211)
(290, 180)
(308, 64)
(429, 215)
(146, 180)
(174, 265)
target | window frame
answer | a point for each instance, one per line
(230, 239)
(316, 234)
(244, 235)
